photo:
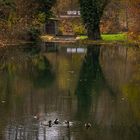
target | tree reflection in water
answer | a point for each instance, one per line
(21, 74)
(91, 83)
(80, 87)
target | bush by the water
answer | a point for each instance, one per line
(33, 34)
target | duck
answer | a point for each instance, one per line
(36, 117)
(87, 125)
(56, 121)
(67, 123)
(50, 123)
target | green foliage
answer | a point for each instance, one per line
(41, 18)
(33, 33)
(79, 29)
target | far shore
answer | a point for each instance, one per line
(107, 39)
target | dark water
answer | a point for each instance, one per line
(96, 84)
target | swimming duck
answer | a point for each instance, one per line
(56, 121)
(68, 124)
(36, 117)
(87, 125)
(50, 123)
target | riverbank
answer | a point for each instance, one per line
(106, 39)
(4, 44)
(109, 37)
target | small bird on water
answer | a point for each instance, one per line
(68, 124)
(56, 121)
(50, 123)
(36, 117)
(87, 125)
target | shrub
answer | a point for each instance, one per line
(33, 34)
(79, 29)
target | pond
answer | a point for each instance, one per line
(82, 84)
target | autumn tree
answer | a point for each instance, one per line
(134, 10)
(91, 12)
(18, 17)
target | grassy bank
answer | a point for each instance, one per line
(109, 37)
(106, 39)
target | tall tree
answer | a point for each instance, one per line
(91, 12)
(20, 18)
(134, 9)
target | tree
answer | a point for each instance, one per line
(91, 12)
(20, 18)
(134, 10)
(5, 8)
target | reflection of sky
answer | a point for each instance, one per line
(33, 129)
(49, 133)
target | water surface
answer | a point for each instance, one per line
(79, 83)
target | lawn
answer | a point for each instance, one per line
(110, 37)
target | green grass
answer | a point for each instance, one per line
(83, 37)
(110, 37)
(114, 37)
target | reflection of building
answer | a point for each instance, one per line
(49, 47)
(54, 47)
(76, 50)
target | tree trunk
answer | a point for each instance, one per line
(94, 32)
(91, 13)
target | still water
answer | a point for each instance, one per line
(78, 83)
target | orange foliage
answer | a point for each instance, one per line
(134, 10)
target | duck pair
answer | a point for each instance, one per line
(56, 121)
(50, 123)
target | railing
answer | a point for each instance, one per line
(70, 14)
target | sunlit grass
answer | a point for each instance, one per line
(114, 37)
(83, 37)
(110, 37)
